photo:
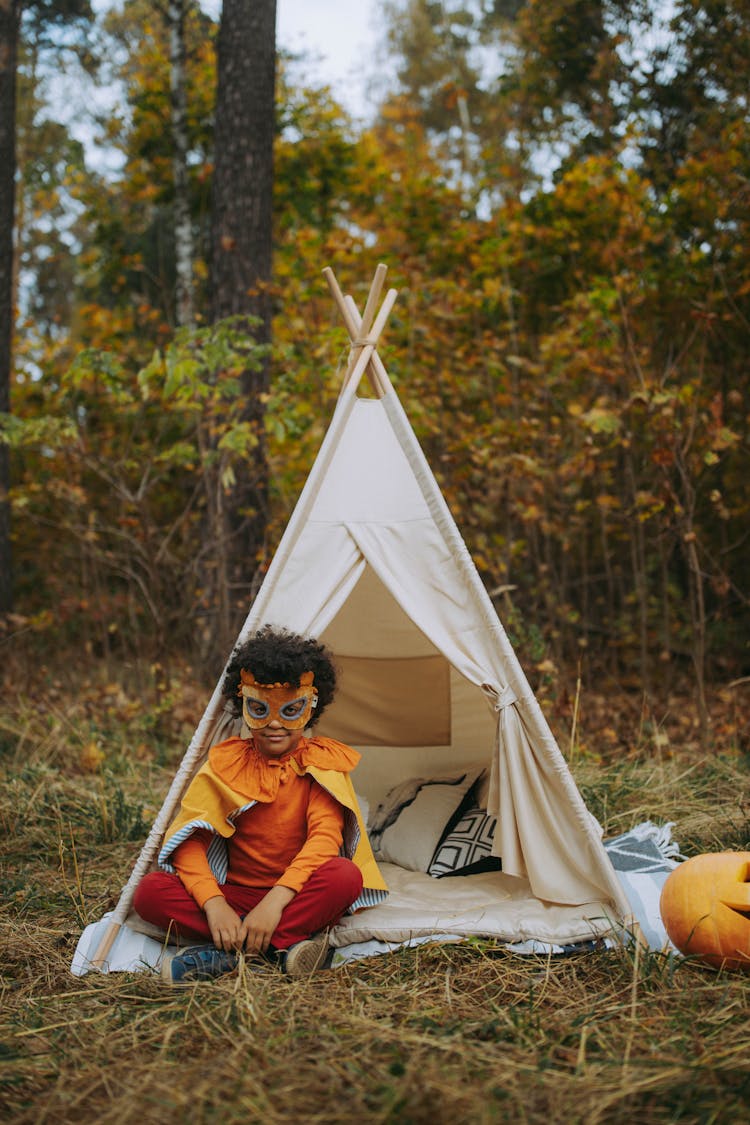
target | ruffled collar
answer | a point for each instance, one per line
(239, 763)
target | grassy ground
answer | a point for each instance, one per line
(440, 1034)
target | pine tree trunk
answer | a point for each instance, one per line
(9, 16)
(241, 246)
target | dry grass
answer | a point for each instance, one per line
(440, 1034)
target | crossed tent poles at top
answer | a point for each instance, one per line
(364, 332)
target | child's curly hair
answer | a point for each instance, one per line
(279, 656)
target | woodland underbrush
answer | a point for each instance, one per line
(437, 1034)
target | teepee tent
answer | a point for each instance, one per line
(373, 564)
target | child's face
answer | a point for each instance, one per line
(274, 740)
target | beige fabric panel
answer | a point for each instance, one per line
(392, 702)
(372, 623)
(383, 766)
(368, 478)
(412, 716)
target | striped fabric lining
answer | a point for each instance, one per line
(369, 897)
(216, 853)
(352, 834)
(179, 838)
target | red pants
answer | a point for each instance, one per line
(161, 899)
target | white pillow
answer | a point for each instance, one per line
(411, 841)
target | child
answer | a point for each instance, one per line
(253, 859)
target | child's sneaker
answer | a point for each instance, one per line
(302, 959)
(197, 962)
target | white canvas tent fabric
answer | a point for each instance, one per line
(372, 563)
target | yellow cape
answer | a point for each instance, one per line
(216, 796)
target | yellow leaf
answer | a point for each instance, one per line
(91, 757)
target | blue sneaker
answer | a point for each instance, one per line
(197, 962)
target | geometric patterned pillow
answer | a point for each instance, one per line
(465, 849)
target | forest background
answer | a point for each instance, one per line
(561, 192)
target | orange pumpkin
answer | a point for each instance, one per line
(705, 907)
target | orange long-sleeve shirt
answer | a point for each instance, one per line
(281, 841)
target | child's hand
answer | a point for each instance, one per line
(224, 923)
(260, 923)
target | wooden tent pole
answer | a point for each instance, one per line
(376, 372)
(376, 288)
(359, 327)
(368, 350)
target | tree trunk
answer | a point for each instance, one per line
(241, 245)
(9, 16)
(183, 229)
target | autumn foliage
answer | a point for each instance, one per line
(570, 341)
